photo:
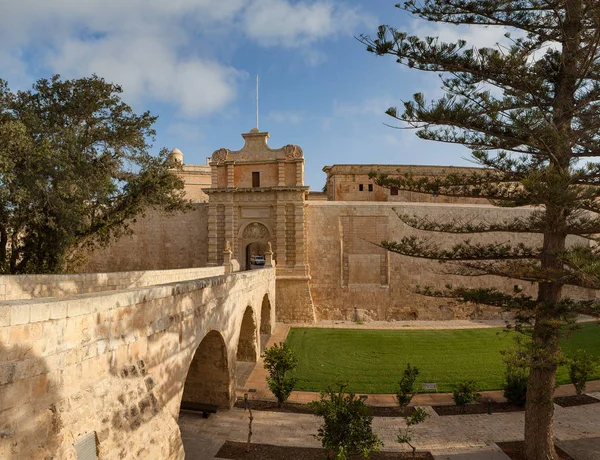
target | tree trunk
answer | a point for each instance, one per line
(539, 412)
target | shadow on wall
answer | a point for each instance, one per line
(25, 378)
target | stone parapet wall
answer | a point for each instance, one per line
(113, 364)
(353, 278)
(38, 286)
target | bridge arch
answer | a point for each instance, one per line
(265, 316)
(208, 380)
(247, 350)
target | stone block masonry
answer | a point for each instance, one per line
(115, 363)
(159, 242)
(351, 275)
(39, 286)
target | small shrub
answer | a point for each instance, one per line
(515, 387)
(346, 428)
(418, 416)
(581, 367)
(279, 361)
(464, 393)
(407, 386)
(517, 371)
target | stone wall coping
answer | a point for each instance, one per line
(15, 287)
(293, 188)
(104, 275)
(409, 204)
(341, 169)
(195, 168)
(15, 312)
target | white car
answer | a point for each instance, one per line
(257, 260)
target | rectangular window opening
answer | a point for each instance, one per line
(393, 191)
(256, 179)
(360, 187)
(370, 187)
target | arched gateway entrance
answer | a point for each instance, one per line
(254, 239)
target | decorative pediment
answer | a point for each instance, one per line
(220, 155)
(256, 149)
(292, 151)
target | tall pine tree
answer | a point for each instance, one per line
(529, 112)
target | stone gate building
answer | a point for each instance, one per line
(329, 264)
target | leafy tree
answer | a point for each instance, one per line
(346, 429)
(280, 361)
(405, 437)
(528, 111)
(75, 171)
(407, 388)
(581, 367)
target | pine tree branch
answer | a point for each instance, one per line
(425, 249)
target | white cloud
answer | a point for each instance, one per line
(279, 22)
(478, 36)
(158, 50)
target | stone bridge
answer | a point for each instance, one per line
(111, 367)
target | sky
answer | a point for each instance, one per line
(193, 63)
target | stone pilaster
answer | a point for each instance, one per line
(280, 174)
(300, 236)
(300, 173)
(229, 234)
(213, 176)
(280, 233)
(212, 233)
(230, 175)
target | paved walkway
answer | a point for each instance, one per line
(462, 437)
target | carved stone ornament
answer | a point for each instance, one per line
(292, 151)
(220, 155)
(255, 231)
(227, 246)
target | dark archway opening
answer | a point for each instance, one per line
(247, 352)
(255, 255)
(265, 322)
(208, 379)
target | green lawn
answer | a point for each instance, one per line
(371, 361)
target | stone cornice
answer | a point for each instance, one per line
(396, 169)
(290, 188)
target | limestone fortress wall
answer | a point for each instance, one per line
(328, 263)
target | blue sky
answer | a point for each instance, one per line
(193, 63)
